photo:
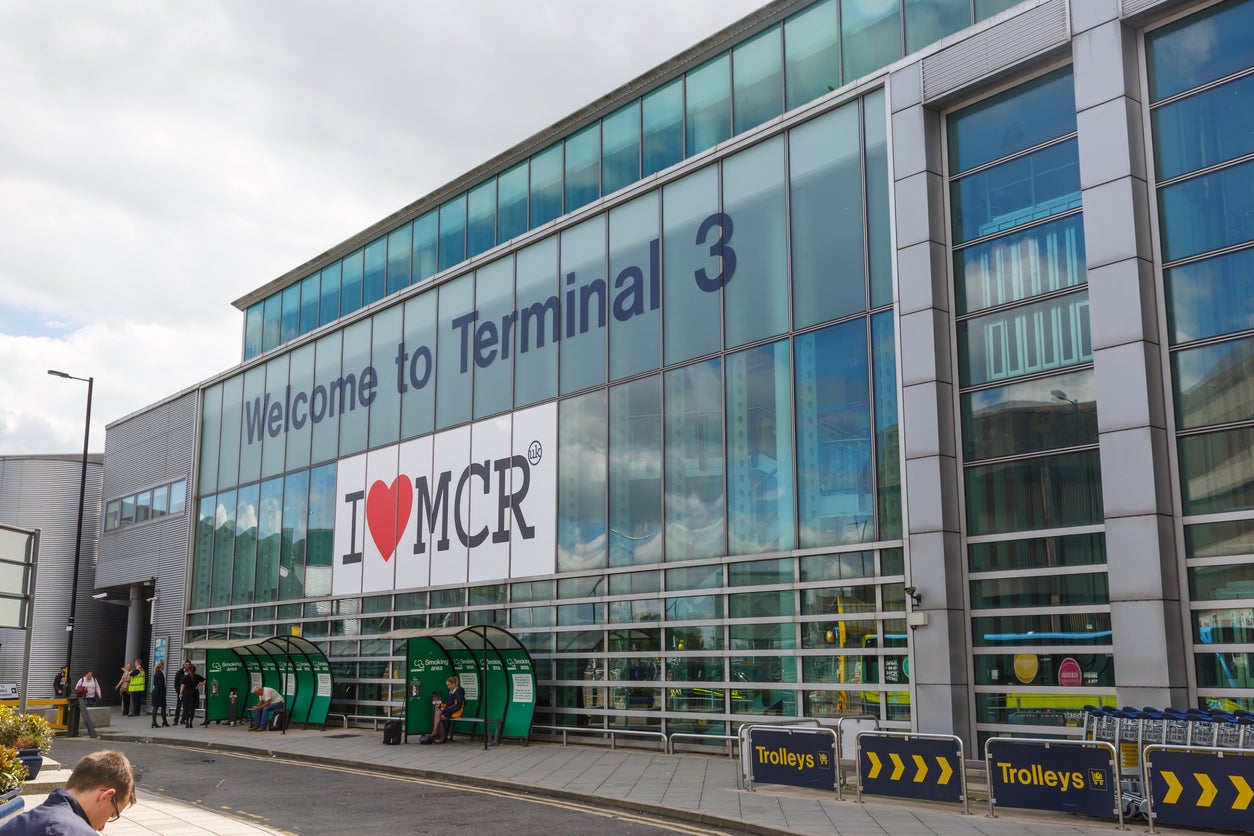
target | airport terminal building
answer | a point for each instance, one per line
(871, 356)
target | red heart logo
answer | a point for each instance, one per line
(387, 512)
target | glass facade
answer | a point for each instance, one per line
(806, 56)
(1200, 69)
(1028, 410)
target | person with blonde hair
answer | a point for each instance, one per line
(101, 786)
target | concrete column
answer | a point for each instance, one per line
(135, 622)
(934, 565)
(1149, 648)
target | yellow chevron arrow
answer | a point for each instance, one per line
(921, 765)
(1208, 789)
(898, 766)
(1175, 787)
(946, 771)
(875, 764)
(1244, 793)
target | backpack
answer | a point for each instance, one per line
(392, 733)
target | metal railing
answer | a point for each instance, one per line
(612, 733)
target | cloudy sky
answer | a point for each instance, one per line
(160, 159)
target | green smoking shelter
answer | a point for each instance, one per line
(291, 665)
(491, 665)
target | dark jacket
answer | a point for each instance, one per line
(60, 815)
(158, 689)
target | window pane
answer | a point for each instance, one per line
(293, 536)
(760, 475)
(269, 536)
(320, 550)
(838, 567)
(128, 510)
(1200, 48)
(385, 408)
(232, 420)
(583, 270)
(418, 386)
(272, 324)
(581, 486)
(300, 375)
(1212, 127)
(329, 305)
(635, 478)
(309, 292)
(492, 345)
(374, 285)
(454, 373)
(1219, 539)
(1040, 591)
(636, 319)
(252, 331)
(203, 563)
(695, 513)
(270, 438)
(400, 246)
(223, 550)
(359, 381)
(1207, 212)
(290, 323)
(927, 21)
(828, 267)
(254, 424)
(161, 501)
(870, 34)
(811, 53)
(143, 506)
(887, 444)
(425, 261)
(663, 119)
(350, 282)
(694, 328)
(539, 323)
(708, 100)
(1221, 583)
(1213, 384)
(511, 202)
(243, 577)
(546, 185)
(1013, 121)
(1217, 471)
(1048, 492)
(583, 167)
(481, 219)
(453, 232)
(1043, 629)
(1017, 192)
(1021, 265)
(1042, 553)
(326, 423)
(620, 148)
(210, 436)
(1051, 334)
(987, 8)
(758, 92)
(1030, 417)
(1211, 297)
(755, 248)
(836, 496)
(879, 222)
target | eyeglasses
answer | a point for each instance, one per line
(117, 813)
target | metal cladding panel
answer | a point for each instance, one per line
(42, 492)
(1131, 7)
(996, 48)
(151, 447)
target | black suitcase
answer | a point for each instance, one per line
(392, 733)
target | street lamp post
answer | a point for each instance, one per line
(78, 541)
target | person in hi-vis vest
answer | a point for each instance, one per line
(137, 685)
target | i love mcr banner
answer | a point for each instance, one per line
(475, 504)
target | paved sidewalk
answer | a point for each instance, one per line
(693, 787)
(157, 814)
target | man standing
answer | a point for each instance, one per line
(101, 786)
(137, 686)
(269, 703)
(190, 693)
(179, 676)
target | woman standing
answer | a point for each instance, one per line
(124, 689)
(88, 689)
(190, 695)
(158, 695)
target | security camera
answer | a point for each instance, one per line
(153, 598)
(100, 596)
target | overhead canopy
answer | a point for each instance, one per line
(291, 665)
(491, 664)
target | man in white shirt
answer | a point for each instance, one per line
(269, 701)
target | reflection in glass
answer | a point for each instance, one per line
(584, 305)
(758, 92)
(425, 259)
(329, 304)
(1221, 583)
(1021, 265)
(359, 378)
(400, 244)
(385, 408)
(620, 148)
(454, 375)
(539, 323)
(635, 271)
(1219, 539)
(546, 185)
(583, 167)
(223, 549)
(870, 35)
(243, 576)
(418, 395)
(1030, 417)
(1040, 553)
(511, 202)
(834, 467)
(708, 103)
(493, 345)
(635, 479)
(760, 473)
(887, 441)
(1217, 471)
(581, 483)
(1040, 591)
(693, 327)
(453, 232)
(202, 562)
(811, 54)
(879, 222)
(1211, 297)
(351, 267)
(1050, 334)
(1043, 629)
(755, 253)
(1214, 384)
(320, 550)
(1200, 48)
(1212, 127)
(927, 21)
(481, 218)
(1016, 192)
(662, 115)
(1016, 120)
(695, 504)
(294, 532)
(1208, 212)
(1047, 492)
(310, 289)
(374, 283)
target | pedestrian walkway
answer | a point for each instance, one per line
(160, 815)
(694, 787)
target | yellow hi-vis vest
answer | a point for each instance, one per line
(137, 681)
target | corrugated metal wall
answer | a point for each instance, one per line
(42, 492)
(150, 448)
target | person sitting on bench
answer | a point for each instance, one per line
(269, 703)
(448, 711)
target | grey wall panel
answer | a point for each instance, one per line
(151, 447)
(996, 48)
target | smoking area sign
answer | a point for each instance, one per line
(1070, 776)
(921, 766)
(1201, 787)
(798, 757)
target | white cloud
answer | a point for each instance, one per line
(162, 159)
